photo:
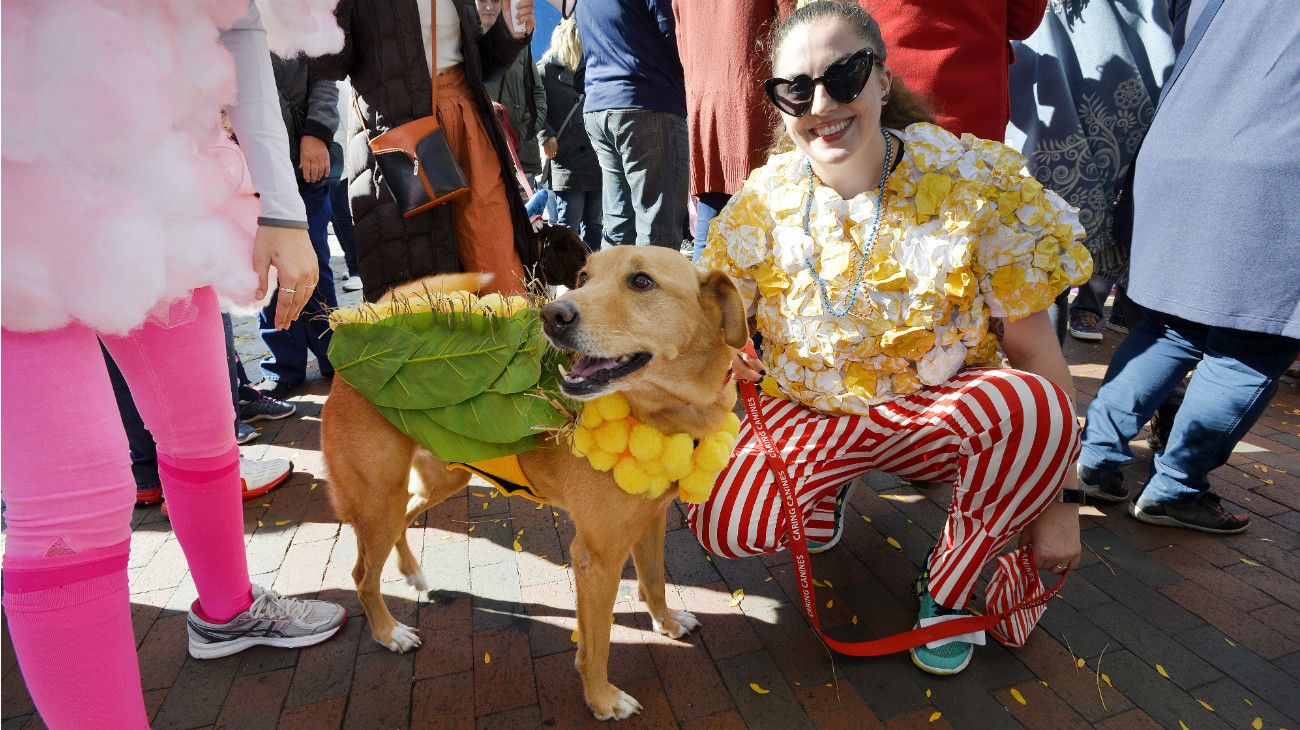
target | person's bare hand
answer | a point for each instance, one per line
(550, 147)
(313, 158)
(289, 251)
(525, 16)
(746, 366)
(1054, 537)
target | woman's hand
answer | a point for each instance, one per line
(525, 17)
(747, 367)
(550, 147)
(313, 158)
(289, 251)
(1054, 537)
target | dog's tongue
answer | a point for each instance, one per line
(584, 366)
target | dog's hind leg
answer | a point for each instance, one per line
(596, 570)
(433, 483)
(648, 556)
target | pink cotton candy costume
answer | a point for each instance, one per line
(124, 220)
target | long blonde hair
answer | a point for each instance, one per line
(566, 48)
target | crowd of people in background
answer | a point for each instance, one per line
(906, 193)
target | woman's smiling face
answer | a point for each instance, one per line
(831, 133)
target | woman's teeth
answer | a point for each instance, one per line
(834, 128)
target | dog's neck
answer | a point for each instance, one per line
(697, 407)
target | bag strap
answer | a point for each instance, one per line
(798, 545)
(1189, 46)
(433, 55)
(546, 168)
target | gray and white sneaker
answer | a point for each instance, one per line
(272, 620)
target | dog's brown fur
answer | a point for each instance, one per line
(689, 322)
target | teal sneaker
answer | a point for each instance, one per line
(944, 660)
(841, 499)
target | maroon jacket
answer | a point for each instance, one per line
(958, 52)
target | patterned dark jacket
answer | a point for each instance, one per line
(384, 55)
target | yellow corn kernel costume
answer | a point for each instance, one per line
(966, 236)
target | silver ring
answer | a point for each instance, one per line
(287, 290)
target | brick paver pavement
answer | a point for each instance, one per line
(1158, 627)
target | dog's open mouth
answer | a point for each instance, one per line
(591, 374)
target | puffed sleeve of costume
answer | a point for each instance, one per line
(258, 125)
(1030, 249)
(338, 66)
(740, 244)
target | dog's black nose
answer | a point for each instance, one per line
(558, 317)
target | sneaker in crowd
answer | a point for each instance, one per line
(352, 283)
(276, 389)
(260, 477)
(1085, 326)
(945, 659)
(148, 497)
(262, 406)
(272, 620)
(1117, 323)
(245, 433)
(841, 500)
(1206, 514)
(1105, 485)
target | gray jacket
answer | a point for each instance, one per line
(519, 89)
(309, 103)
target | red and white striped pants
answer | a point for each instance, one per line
(1007, 438)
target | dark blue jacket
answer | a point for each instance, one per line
(630, 48)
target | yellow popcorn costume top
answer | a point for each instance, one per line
(966, 235)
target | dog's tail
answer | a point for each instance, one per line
(436, 284)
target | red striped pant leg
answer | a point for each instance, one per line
(1019, 437)
(743, 515)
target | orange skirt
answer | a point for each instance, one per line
(485, 234)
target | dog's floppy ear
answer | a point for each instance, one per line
(718, 286)
(563, 255)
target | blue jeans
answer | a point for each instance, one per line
(580, 212)
(710, 204)
(1236, 375)
(286, 359)
(341, 217)
(645, 166)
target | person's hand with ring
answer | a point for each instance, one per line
(289, 251)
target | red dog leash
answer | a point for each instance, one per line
(803, 569)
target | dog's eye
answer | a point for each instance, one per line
(582, 278)
(641, 282)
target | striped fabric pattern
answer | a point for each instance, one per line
(1007, 438)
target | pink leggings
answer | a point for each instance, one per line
(68, 492)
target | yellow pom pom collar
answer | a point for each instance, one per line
(645, 460)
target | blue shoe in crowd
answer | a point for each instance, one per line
(261, 406)
(245, 433)
(949, 658)
(841, 499)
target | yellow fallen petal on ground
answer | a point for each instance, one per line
(1230, 641)
(1106, 678)
(855, 619)
(757, 689)
(1247, 701)
(1206, 705)
(1078, 663)
(1162, 671)
(1043, 682)
(1248, 561)
(574, 636)
(487, 658)
(1015, 695)
(737, 596)
(830, 603)
(866, 518)
(480, 495)
(539, 505)
(1257, 723)
(894, 542)
(1183, 725)
(266, 504)
(281, 523)
(259, 523)
(518, 548)
(485, 505)
(818, 583)
(1269, 482)
(936, 716)
(1259, 468)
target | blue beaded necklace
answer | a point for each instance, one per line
(871, 241)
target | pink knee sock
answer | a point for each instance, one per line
(205, 504)
(70, 620)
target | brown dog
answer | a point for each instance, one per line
(643, 322)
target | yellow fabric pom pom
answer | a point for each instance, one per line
(613, 407)
(646, 442)
(629, 476)
(590, 417)
(676, 457)
(653, 468)
(657, 485)
(583, 441)
(602, 460)
(711, 456)
(731, 424)
(696, 486)
(612, 437)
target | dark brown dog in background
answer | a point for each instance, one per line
(643, 322)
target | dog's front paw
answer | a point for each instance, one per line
(676, 624)
(417, 581)
(614, 704)
(402, 639)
